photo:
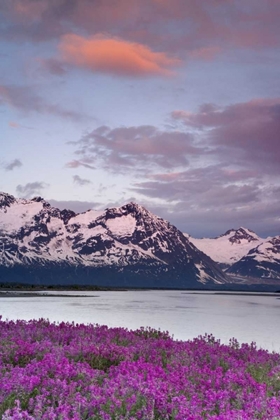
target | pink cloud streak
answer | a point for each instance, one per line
(115, 56)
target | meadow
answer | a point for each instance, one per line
(53, 371)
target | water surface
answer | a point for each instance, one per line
(247, 317)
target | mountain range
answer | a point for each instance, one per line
(121, 246)
(242, 252)
(125, 246)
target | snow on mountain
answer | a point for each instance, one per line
(15, 216)
(243, 253)
(127, 245)
(229, 247)
(262, 261)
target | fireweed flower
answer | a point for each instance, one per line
(54, 371)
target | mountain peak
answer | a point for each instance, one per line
(134, 205)
(131, 208)
(239, 234)
(37, 199)
(137, 209)
(6, 199)
(243, 235)
(243, 229)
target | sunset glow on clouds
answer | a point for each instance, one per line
(174, 104)
(114, 56)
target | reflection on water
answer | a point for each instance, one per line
(248, 318)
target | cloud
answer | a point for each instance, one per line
(135, 147)
(203, 186)
(80, 181)
(217, 166)
(208, 200)
(202, 222)
(29, 9)
(31, 188)
(76, 163)
(202, 203)
(24, 99)
(235, 177)
(29, 19)
(249, 131)
(182, 26)
(52, 66)
(115, 56)
(16, 163)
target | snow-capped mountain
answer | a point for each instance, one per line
(229, 247)
(242, 252)
(124, 246)
(262, 261)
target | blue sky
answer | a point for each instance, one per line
(173, 104)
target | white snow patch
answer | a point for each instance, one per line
(97, 230)
(84, 219)
(266, 252)
(122, 226)
(203, 277)
(222, 250)
(55, 225)
(16, 216)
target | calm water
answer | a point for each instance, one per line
(184, 314)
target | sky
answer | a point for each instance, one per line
(173, 104)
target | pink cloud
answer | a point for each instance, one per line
(167, 177)
(115, 56)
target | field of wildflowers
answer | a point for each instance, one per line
(74, 371)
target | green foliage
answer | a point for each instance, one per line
(8, 402)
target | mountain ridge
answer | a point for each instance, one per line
(126, 244)
(242, 252)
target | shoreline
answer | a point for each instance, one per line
(21, 293)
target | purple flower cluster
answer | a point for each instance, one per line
(73, 371)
